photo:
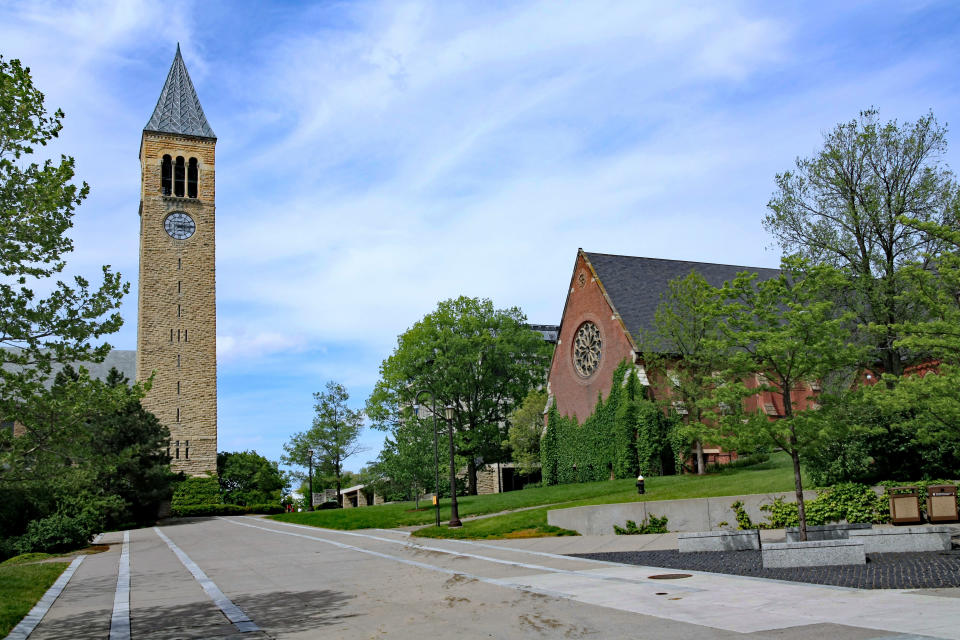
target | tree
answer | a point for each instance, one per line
(788, 332)
(479, 360)
(683, 354)
(333, 436)
(37, 203)
(406, 461)
(247, 478)
(847, 207)
(526, 430)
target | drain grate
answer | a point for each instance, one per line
(669, 576)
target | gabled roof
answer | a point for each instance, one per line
(124, 361)
(178, 109)
(634, 285)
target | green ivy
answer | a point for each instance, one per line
(626, 435)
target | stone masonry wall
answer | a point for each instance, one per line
(177, 310)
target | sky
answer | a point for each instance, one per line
(374, 158)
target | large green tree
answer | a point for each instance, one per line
(480, 360)
(333, 437)
(848, 205)
(37, 204)
(246, 478)
(683, 355)
(788, 333)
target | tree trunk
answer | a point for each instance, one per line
(698, 447)
(801, 509)
(336, 471)
(471, 476)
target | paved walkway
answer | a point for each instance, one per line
(244, 577)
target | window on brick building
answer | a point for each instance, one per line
(185, 336)
(178, 415)
(166, 175)
(192, 176)
(178, 174)
(186, 450)
(176, 450)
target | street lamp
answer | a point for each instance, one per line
(454, 513)
(436, 455)
(310, 503)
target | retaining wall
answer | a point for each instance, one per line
(695, 514)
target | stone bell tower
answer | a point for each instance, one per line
(177, 311)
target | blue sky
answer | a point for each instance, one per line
(376, 157)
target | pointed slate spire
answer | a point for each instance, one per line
(178, 109)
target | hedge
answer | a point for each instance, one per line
(195, 510)
(196, 491)
(627, 434)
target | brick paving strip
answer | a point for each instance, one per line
(932, 569)
(120, 620)
(234, 613)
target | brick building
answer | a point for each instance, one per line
(610, 300)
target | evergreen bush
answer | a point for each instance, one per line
(196, 491)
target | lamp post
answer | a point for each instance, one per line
(310, 463)
(454, 514)
(436, 455)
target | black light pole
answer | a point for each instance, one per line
(436, 455)
(310, 503)
(454, 513)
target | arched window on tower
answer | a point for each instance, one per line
(178, 171)
(166, 175)
(192, 171)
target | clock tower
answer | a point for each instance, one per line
(177, 306)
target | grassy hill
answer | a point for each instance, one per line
(773, 475)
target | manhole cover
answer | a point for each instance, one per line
(669, 576)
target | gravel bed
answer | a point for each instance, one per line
(926, 570)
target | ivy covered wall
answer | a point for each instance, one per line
(627, 434)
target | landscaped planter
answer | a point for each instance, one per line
(826, 531)
(719, 541)
(904, 539)
(817, 553)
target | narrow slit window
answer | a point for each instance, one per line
(179, 263)
(178, 311)
(166, 175)
(176, 449)
(169, 442)
(178, 171)
(171, 335)
(186, 450)
(179, 286)
(192, 175)
(185, 336)
(178, 361)
(178, 387)
(178, 419)
(178, 335)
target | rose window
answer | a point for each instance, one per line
(586, 349)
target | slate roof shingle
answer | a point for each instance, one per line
(635, 284)
(178, 110)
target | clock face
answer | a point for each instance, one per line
(179, 225)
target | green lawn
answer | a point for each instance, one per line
(774, 475)
(21, 586)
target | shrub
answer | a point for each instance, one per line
(198, 510)
(196, 491)
(655, 525)
(53, 534)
